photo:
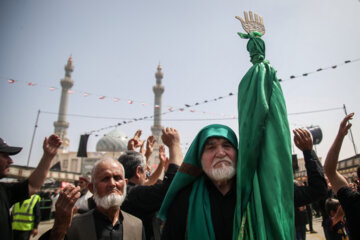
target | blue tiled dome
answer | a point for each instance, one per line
(114, 141)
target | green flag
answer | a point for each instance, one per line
(265, 194)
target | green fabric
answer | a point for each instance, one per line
(264, 157)
(199, 223)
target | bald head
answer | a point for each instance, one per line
(105, 164)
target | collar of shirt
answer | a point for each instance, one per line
(104, 227)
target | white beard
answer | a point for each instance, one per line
(111, 200)
(224, 172)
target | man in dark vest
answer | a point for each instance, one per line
(106, 221)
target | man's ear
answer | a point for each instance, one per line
(91, 187)
(126, 180)
(138, 172)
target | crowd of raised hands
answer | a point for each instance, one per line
(170, 138)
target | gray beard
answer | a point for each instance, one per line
(222, 173)
(111, 200)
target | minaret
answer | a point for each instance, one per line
(156, 129)
(61, 125)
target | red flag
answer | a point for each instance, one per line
(11, 81)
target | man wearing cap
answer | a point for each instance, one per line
(82, 203)
(10, 193)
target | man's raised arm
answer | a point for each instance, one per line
(171, 139)
(336, 179)
(317, 187)
(37, 178)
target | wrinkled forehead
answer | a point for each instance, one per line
(108, 166)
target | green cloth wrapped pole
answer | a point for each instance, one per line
(265, 194)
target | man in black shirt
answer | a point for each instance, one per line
(316, 185)
(349, 199)
(144, 201)
(10, 193)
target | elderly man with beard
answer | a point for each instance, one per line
(202, 196)
(107, 221)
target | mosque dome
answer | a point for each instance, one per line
(114, 141)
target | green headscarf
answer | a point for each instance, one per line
(265, 208)
(199, 222)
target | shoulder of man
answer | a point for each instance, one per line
(82, 227)
(133, 226)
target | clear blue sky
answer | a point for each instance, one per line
(117, 45)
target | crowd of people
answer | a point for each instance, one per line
(195, 198)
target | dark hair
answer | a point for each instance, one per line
(331, 204)
(131, 160)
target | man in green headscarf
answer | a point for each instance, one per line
(200, 202)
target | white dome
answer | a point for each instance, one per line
(114, 141)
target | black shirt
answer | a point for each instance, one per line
(350, 202)
(144, 201)
(317, 187)
(105, 229)
(10, 193)
(222, 213)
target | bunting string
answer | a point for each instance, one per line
(130, 120)
(170, 109)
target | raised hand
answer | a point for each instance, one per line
(149, 146)
(303, 139)
(51, 146)
(64, 211)
(135, 142)
(162, 154)
(170, 136)
(345, 125)
(251, 25)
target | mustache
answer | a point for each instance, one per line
(224, 159)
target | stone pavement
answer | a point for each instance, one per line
(43, 227)
(46, 225)
(318, 228)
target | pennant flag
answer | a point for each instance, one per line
(70, 92)
(52, 88)
(102, 97)
(130, 101)
(31, 84)
(11, 81)
(157, 106)
(85, 94)
(116, 99)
